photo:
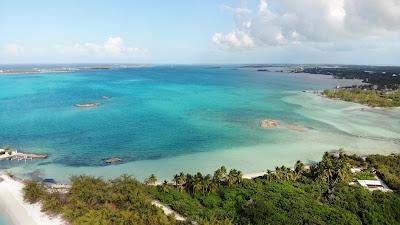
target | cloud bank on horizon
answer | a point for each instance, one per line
(310, 22)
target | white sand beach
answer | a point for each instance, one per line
(18, 211)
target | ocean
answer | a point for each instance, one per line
(167, 119)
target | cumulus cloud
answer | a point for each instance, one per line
(288, 22)
(236, 39)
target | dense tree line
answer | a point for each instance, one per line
(316, 194)
(381, 76)
(96, 201)
(388, 168)
(368, 97)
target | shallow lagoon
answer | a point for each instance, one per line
(164, 120)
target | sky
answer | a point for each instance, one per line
(200, 32)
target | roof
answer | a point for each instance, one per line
(370, 182)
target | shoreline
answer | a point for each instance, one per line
(365, 105)
(19, 212)
(66, 69)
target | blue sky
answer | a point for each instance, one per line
(197, 32)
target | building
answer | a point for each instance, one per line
(373, 185)
(6, 154)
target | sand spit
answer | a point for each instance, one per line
(88, 105)
(269, 123)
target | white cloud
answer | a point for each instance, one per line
(114, 47)
(288, 22)
(13, 49)
(235, 39)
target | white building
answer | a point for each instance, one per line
(373, 185)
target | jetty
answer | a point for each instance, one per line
(10, 154)
(87, 105)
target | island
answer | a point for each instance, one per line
(71, 68)
(381, 86)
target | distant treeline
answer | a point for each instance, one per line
(384, 77)
(373, 98)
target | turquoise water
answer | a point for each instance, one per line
(164, 119)
(3, 220)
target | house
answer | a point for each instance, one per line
(373, 185)
(6, 154)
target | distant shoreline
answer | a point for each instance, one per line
(65, 69)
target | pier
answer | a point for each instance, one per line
(9, 154)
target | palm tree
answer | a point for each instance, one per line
(181, 180)
(164, 186)
(269, 175)
(206, 182)
(299, 167)
(198, 182)
(219, 174)
(278, 174)
(189, 183)
(234, 176)
(151, 180)
(176, 180)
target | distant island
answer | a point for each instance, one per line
(71, 68)
(381, 88)
(340, 189)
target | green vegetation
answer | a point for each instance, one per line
(388, 168)
(365, 175)
(151, 180)
(34, 192)
(319, 195)
(372, 98)
(316, 195)
(95, 201)
(384, 77)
